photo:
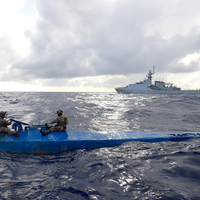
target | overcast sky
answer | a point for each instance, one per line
(97, 45)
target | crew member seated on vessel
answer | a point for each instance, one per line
(4, 123)
(61, 123)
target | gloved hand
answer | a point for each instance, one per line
(9, 120)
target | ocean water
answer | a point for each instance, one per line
(133, 170)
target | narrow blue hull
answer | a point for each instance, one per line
(32, 142)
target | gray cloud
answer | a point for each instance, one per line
(90, 38)
(7, 55)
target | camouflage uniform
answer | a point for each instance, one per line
(61, 121)
(4, 129)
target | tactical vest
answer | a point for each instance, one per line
(63, 120)
(3, 123)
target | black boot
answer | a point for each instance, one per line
(43, 133)
(16, 134)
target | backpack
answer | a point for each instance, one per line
(65, 120)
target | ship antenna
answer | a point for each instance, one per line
(153, 69)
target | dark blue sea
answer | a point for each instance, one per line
(133, 170)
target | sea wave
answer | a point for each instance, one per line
(133, 170)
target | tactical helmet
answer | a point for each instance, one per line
(2, 114)
(59, 112)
